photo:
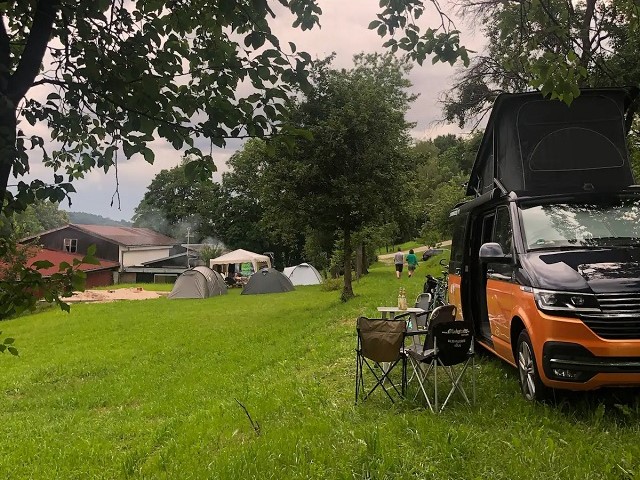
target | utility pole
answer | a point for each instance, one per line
(188, 239)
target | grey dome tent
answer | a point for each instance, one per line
(198, 282)
(267, 280)
(303, 274)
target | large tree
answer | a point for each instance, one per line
(350, 172)
(442, 167)
(38, 217)
(179, 205)
(243, 221)
(556, 46)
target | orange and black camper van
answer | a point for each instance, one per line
(545, 260)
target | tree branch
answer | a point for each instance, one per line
(31, 60)
(5, 52)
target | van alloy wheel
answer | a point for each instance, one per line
(526, 370)
(530, 381)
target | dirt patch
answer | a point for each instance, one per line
(135, 293)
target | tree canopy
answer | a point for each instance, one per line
(121, 74)
(175, 202)
(352, 167)
(555, 46)
(38, 217)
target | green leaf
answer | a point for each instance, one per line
(148, 154)
(13, 351)
(42, 264)
(9, 341)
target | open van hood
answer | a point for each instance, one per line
(606, 270)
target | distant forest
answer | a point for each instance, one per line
(85, 218)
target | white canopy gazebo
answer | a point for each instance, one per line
(241, 256)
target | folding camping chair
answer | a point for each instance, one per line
(423, 301)
(452, 349)
(417, 321)
(381, 348)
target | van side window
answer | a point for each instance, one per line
(487, 228)
(503, 232)
(458, 243)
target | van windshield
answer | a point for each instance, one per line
(582, 225)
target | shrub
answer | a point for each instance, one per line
(331, 284)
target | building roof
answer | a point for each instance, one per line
(57, 257)
(127, 236)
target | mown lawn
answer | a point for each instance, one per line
(150, 389)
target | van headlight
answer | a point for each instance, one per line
(549, 300)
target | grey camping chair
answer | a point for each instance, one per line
(423, 301)
(453, 353)
(380, 349)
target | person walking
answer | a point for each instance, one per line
(412, 262)
(398, 260)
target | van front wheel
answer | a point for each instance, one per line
(530, 382)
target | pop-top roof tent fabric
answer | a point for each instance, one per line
(242, 256)
(267, 280)
(543, 146)
(198, 282)
(303, 274)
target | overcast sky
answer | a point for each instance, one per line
(344, 31)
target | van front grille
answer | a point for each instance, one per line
(619, 303)
(613, 327)
(620, 317)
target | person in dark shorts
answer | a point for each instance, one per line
(412, 262)
(398, 260)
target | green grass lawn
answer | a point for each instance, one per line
(149, 389)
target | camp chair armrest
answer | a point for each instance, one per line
(410, 314)
(413, 334)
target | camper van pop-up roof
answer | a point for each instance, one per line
(544, 146)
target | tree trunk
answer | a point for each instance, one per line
(359, 264)
(7, 147)
(347, 290)
(13, 87)
(365, 260)
(585, 39)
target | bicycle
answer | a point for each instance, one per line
(438, 288)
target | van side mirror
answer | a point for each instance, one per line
(492, 253)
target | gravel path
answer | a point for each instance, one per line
(388, 257)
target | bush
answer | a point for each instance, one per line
(331, 284)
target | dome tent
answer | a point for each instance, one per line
(267, 280)
(198, 282)
(303, 274)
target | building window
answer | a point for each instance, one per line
(71, 245)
